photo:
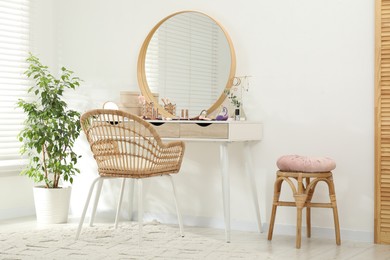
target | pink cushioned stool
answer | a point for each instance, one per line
(294, 169)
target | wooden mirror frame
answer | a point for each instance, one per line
(141, 74)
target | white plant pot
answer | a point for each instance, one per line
(52, 205)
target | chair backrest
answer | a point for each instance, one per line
(125, 145)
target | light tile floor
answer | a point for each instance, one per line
(24, 239)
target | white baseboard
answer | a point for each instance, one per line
(319, 232)
(16, 213)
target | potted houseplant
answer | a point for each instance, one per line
(47, 137)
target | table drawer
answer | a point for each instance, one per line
(204, 130)
(166, 130)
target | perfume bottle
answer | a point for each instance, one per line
(237, 114)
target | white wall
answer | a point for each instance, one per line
(16, 191)
(311, 64)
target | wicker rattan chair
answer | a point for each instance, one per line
(126, 146)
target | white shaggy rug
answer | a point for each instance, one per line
(102, 241)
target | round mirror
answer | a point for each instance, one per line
(188, 60)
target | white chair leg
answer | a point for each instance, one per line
(131, 195)
(140, 211)
(119, 203)
(177, 206)
(97, 196)
(86, 207)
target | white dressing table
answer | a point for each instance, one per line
(187, 80)
(222, 132)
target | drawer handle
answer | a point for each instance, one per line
(203, 124)
(157, 123)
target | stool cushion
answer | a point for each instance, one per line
(297, 163)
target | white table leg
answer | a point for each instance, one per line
(225, 188)
(249, 172)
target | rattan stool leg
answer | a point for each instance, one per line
(300, 200)
(332, 196)
(272, 222)
(336, 225)
(299, 227)
(308, 222)
(308, 209)
(277, 189)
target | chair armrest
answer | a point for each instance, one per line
(172, 153)
(176, 147)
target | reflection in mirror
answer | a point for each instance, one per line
(110, 105)
(189, 59)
